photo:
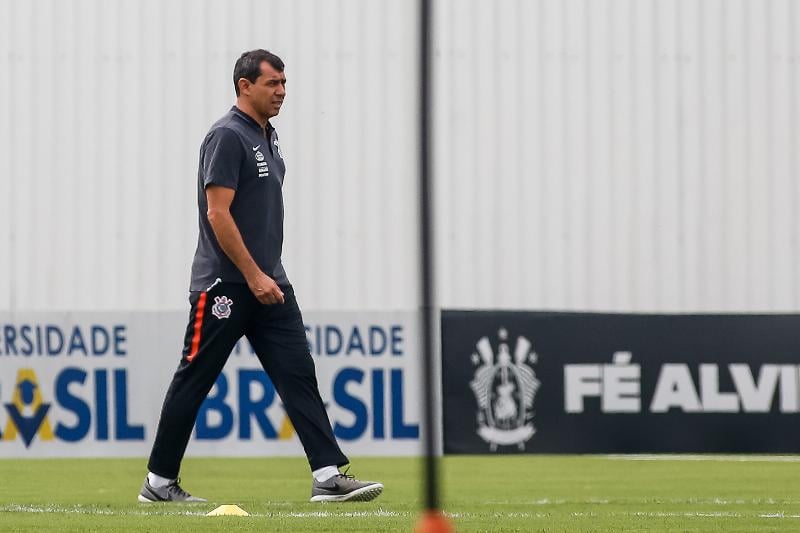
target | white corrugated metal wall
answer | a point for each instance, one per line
(108, 102)
(627, 155)
(591, 154)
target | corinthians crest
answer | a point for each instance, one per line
(222, 307)
(505, 386)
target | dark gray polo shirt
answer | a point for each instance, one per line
(237, 153)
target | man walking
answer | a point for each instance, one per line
(239, 288)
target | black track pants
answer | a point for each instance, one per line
(218, 319)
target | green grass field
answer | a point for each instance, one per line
(512, 493)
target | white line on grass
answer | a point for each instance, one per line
(665, 514)
(498, 515)
(166, 511)
(78, 509)
(548, 501)
(659, 501)
(171, 511)
(543, 501)
(329, 514)
(719, 458)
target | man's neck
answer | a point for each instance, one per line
(248, 110)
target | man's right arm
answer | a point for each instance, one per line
(230, 240)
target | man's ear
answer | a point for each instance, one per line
(244, 86)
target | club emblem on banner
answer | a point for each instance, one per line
(505, 387)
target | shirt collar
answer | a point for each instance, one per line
(251, 122)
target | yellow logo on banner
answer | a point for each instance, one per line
(287, 429)
(27, 412)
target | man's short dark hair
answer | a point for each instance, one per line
(248, 66)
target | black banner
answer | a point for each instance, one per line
(534, 382)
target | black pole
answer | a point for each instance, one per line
(426, 255)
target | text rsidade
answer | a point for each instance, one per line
(331, 340)
(95, 340)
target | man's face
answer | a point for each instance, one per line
(268, 91)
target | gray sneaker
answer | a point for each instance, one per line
(343, 488)
(171, 493)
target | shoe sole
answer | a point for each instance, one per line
(364, 494)
(145, 499)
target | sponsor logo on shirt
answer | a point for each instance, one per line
(261, 165)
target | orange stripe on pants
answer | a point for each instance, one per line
(198, 326)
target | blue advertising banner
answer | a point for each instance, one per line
(92, 384)
(537, 382)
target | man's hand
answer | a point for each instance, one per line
(265, 289)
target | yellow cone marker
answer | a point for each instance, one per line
(228, 510)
